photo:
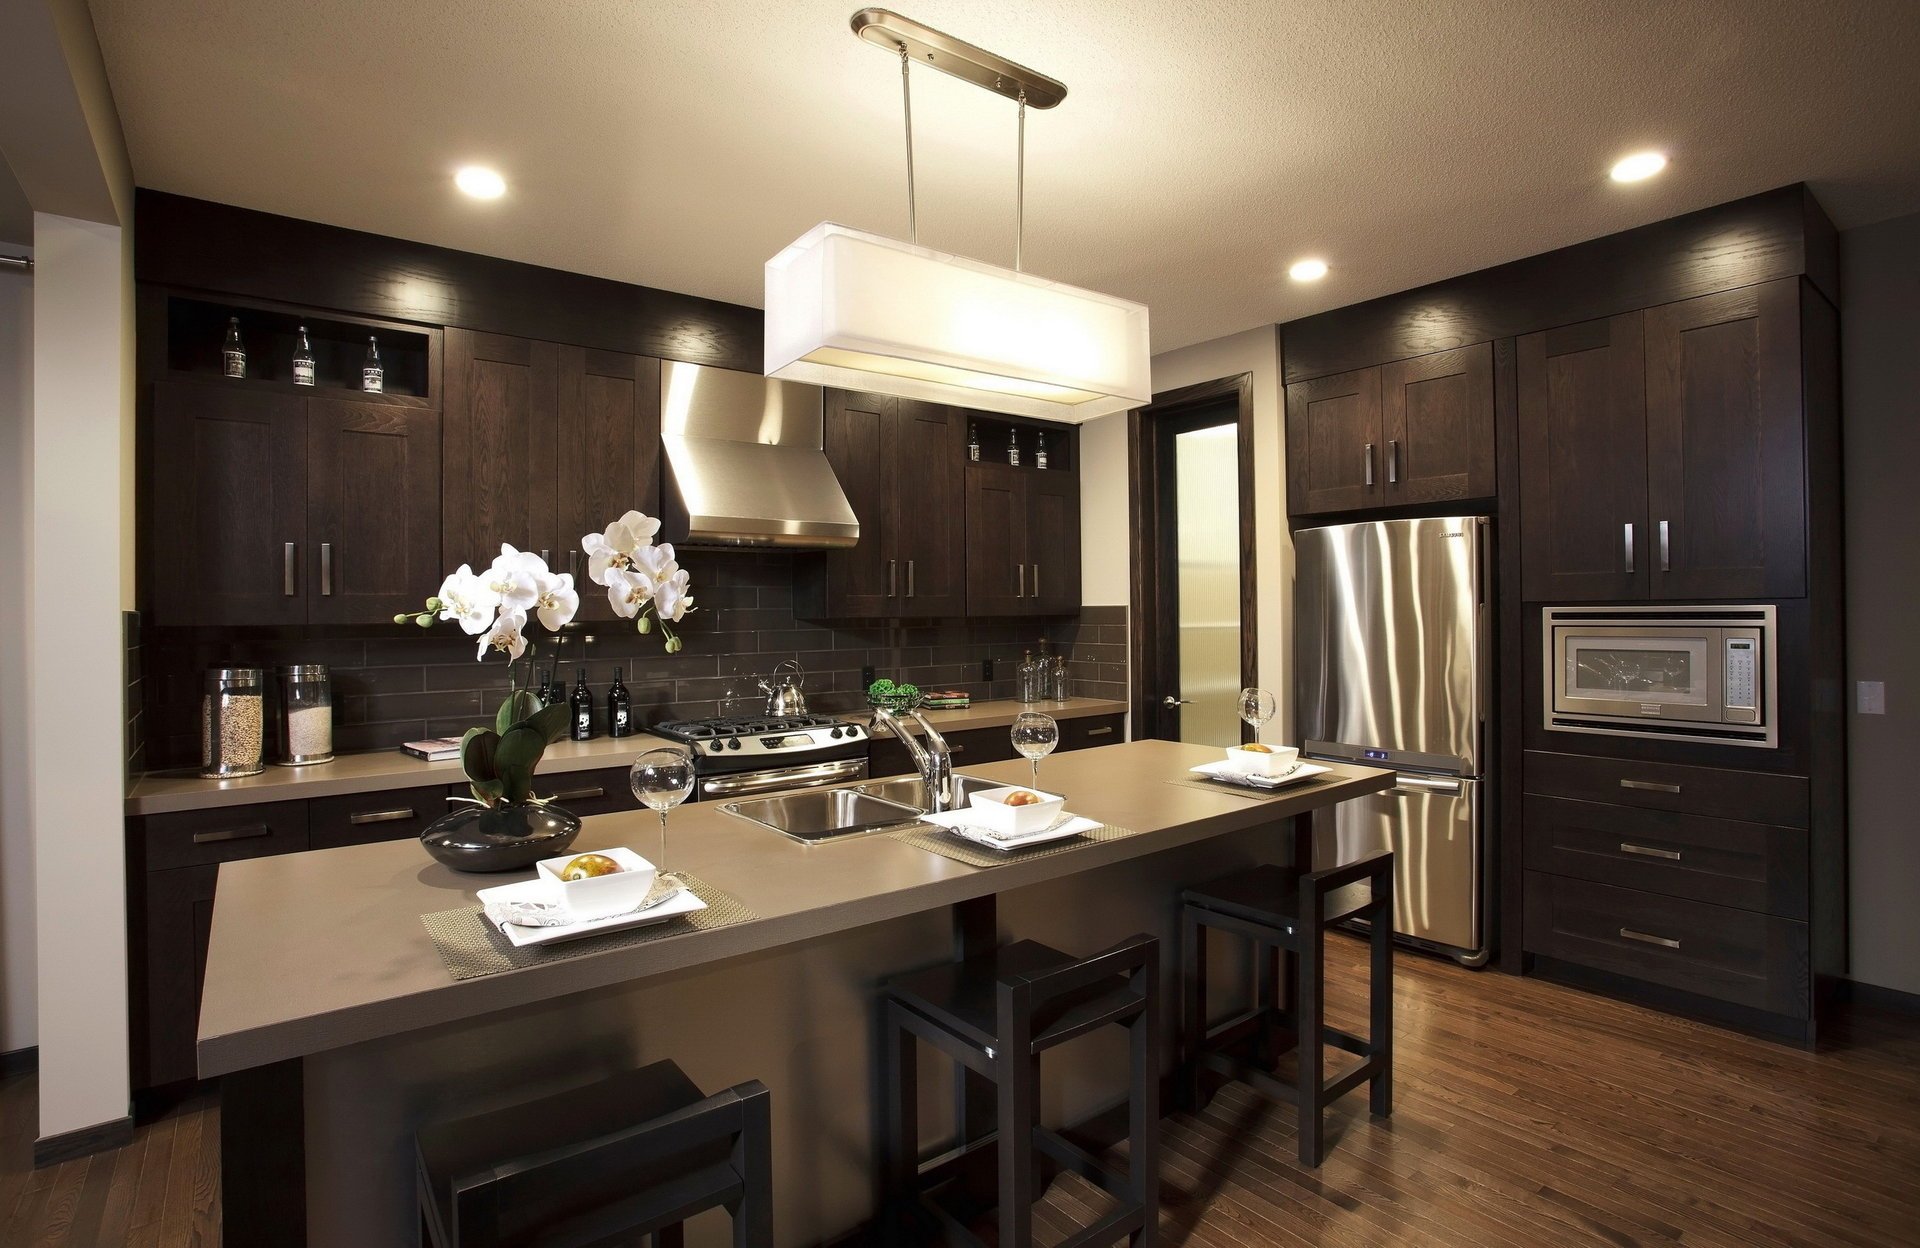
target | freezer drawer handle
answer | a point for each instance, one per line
(1416, 784)
(381, 816)
(1650, 786)
(1665, 942)
(1648, 851)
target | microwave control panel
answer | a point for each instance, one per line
(1742, 682)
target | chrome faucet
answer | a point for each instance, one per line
(934, 760)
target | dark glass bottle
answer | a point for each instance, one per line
(303, 360)
(544, 694)
(973, 443)
(235, 353)
(373, 377)
(1040, 451)
(1013, 447)
(581, 703)
(619, 709)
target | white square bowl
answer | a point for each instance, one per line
(990, 805)
(1255, 763)
(602, 895)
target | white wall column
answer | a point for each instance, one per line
(18, 966)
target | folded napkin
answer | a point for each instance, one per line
(962, 824)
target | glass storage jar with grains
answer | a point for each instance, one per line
(232, 717)
(303, 731)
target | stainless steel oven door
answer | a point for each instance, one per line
(780, 779)
(1647, 671)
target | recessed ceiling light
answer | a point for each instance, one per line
(1639, 166)
(1307, 270)
(480, 182)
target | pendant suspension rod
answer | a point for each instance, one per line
(906, 100)
(1020, 187)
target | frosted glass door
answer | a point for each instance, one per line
(1207, 544)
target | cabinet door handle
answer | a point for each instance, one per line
(381, 816)
(286, 570)
(893, 577)
(1650, 786)
(1393, 461)
(1100, 732)
(326, 569)
(573, 566)
(955, 749)
(250, 832)
(546, 556)
(1020, 570)
(1369, 465)
(578, 795)
(1648, 851)
(1626, 543)
(1665, 942)
(1666, 554)
(909, 578)
(1036, 580)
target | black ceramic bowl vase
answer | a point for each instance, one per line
(504, 837)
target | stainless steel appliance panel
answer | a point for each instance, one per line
(1433, 825)
(1392, 642)
(1680, 673)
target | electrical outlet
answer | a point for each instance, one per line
(986, 670)
(866, 675)
(1870, 697)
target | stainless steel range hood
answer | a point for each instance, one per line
(744, 462)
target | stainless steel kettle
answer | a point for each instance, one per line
(784, 697)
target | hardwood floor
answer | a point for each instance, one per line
(1527, 1115)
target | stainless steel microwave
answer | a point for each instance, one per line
(1680, 673)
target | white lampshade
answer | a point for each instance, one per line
(864, 312)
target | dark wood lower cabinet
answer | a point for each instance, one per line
(177, 921)
(995, 745)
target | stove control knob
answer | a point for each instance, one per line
(716, 747)
(734, 744)
(853, 730)
(834, 733)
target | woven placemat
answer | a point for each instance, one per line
(937, 840)
(1252, 795)
(472, 947)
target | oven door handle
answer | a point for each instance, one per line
(813, 776)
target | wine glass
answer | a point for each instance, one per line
(1256, 708)
(662, 779)
(1034, 736)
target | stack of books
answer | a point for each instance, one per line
(946, 700)
(434, 750)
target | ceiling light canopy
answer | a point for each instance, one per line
(861, 311)
(1638, 167)
(1307, 270)
(480, 182)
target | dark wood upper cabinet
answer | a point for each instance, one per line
(1583, 462)
(856, 582)
(927, 524)
(501, 396)
(1334, 437)
(373, 504)
(1437, 414)
(1053, 543)
(229, 506)
(608, 455)
(1023, 541)
(1726, 479)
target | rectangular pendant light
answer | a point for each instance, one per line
(860, 311)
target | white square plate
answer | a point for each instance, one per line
(1224, 770)
(963, 824)
(684, 903)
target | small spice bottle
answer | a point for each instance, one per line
(303, 731)
(232, 718)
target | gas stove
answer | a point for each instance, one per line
(738, 755)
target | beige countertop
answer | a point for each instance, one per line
(162, 792)
(316, 951)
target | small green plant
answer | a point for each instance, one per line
(499, 761)
(894, 697)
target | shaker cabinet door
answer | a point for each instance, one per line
(373, 498)
(863, 580)
(996, 540)
(1726, 464)
(1053, 543)
(1583, 462)
(229, 542)
(608, 456)
(500, 399)
(1334, 443)
(926, 486)
(1437, 414)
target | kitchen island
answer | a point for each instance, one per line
(325, 999)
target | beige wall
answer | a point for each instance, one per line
(1880, 386)
(1106, 556)
(17, 960)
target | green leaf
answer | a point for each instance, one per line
(518, 707)
(488, 791)
(478, 754)
(519, 753)
(552, 722)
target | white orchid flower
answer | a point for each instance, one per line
(656, 561)
(556, 600)
(628, 591)
(514, 579)
(466, 599)
(671, 600)
(509, 634)
(616, 547)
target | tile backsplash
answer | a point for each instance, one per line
(400, 683)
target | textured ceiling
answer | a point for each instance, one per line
(1202, 147)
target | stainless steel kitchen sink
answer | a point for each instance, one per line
(814, 815)
(912, 790)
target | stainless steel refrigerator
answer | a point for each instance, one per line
(1392, 669)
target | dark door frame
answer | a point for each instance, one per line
(1151, 644)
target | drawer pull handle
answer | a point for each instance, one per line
(1664, 942)
(955, 749)
(576, 795)
(1650, 786)
(1100, 732)
(1647, 851)
(247, 833)
(381, 816)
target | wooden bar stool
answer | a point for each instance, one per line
(995, 1014)
(633, 1155)
(1286, 914)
